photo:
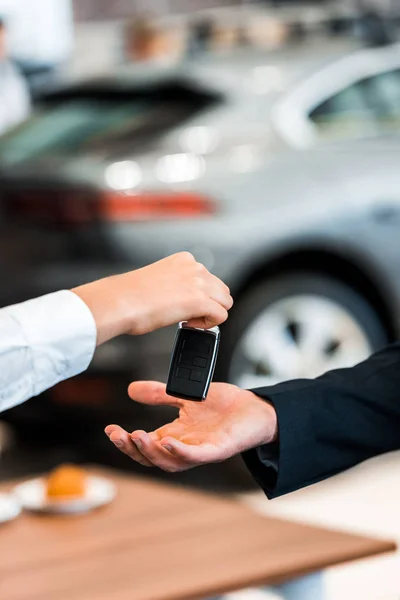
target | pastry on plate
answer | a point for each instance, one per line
(66, 482)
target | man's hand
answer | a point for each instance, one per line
(174, 289)
(228, 422)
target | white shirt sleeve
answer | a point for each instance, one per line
(43, 342)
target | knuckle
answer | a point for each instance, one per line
(155, 395)
(186, 256)
(199, 283)
(140, 328)
(132, 455)
(201, 269)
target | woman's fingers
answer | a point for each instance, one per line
(214, 314)
(220, 292)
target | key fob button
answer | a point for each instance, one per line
(199, 362)
(196, 375)
(198, 348)
(187, 359)
(183, 373)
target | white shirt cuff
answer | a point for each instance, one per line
(60, 331)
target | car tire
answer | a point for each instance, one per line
(254, 303)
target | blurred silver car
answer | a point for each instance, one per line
(279, 171)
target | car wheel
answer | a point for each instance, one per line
(295, 326)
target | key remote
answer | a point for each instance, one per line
(193, 362)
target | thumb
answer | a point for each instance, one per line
(152, 392)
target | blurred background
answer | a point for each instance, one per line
(263, 137)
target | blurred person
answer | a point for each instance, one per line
(372, 26)
(291, 434)
(243, 37)
(199, 36)
(145, 40)
(223, 37)
(268, 33)
(297, 32)
(52, 338)
(14, 93)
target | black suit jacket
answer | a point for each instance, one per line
(329, 424)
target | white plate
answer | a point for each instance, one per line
(9, 508)
(32, 496)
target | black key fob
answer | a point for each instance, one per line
(193, 362)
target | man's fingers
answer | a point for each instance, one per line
(190, 454)
(152, 392)
(155, 453)
(110, 429)
(122, 440)
(173, 455)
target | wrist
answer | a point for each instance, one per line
(272, 434)
(102, 301)
(263, 418)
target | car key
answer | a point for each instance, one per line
(193, 362)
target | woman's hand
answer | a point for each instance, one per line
(174, 289)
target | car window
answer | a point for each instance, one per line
(369, 106)
(93, 120)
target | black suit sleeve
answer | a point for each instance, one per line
(329, 424)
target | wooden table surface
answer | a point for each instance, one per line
(161, 542)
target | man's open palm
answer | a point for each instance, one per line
(230, 421)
